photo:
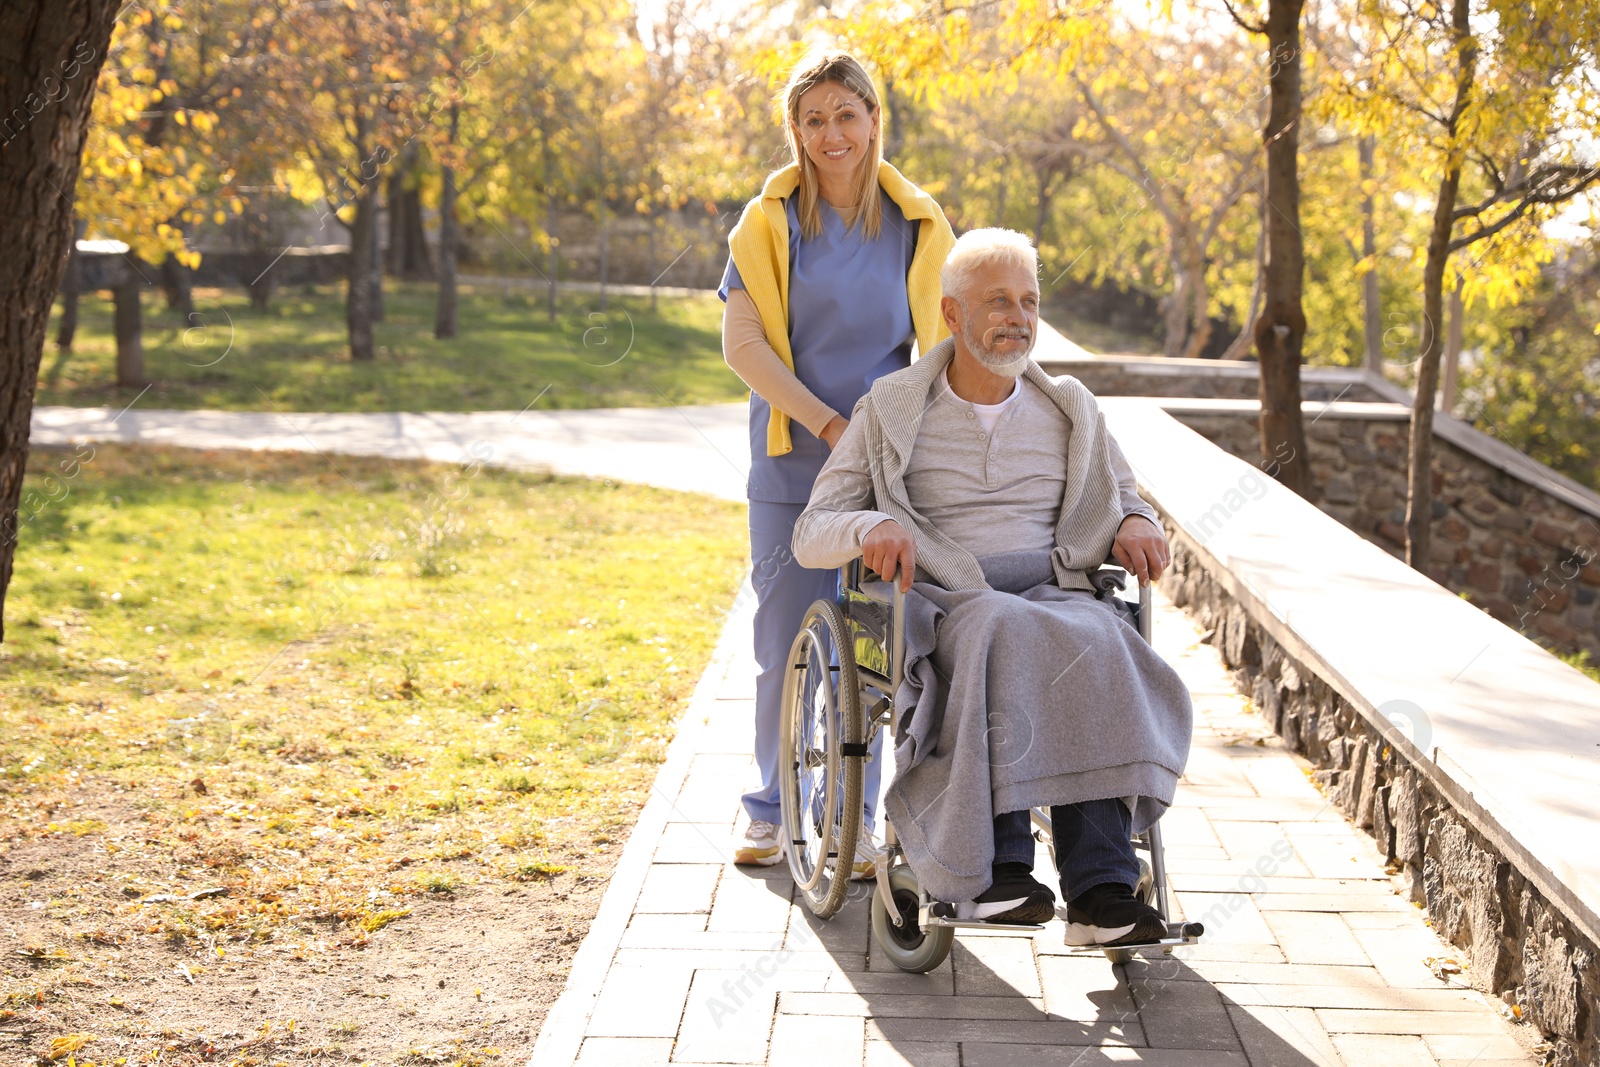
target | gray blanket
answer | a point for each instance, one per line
(1022, 695)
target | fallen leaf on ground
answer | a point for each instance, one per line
(1442, 967)
(67, 1045)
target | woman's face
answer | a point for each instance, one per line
(836, 129)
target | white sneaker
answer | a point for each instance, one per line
(865, 868)
(763, 845)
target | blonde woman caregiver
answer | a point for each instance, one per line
(832, 272)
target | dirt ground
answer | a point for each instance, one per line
(466, 978)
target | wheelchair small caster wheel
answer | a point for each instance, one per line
(908, 947)
(1119, 955)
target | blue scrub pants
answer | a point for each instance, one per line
(784, 590)
(1093, 842)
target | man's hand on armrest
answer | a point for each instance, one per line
(888, 545)
(1141, 547)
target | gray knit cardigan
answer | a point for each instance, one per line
(863, 482)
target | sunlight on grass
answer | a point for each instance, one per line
(323, 686)
(293, 356)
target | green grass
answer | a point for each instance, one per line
(1582, 661)
(376, 669)
(509, 354)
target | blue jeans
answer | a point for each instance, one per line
(784, 590)
(1093, 842)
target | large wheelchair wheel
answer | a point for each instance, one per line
(821, 786)
(908, 946)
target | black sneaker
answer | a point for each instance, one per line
(1109, 914)
(1013, 897)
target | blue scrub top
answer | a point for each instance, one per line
(849, 325)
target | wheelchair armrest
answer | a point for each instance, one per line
(851, 576)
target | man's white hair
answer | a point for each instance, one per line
(977, 249)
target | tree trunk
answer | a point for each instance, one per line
(71, 286)
(1041, 214)
(1199, 305)
(178, 282)
(375, 260)
(1280, 331)
(1419, 474)
(418, 265)
(41, 41)
(358, 283)
(444, 320)
(600, 207)
(1175, 313)
(1243, 342)
(396, 263)
(605, 255)
(261, 290)
(1371, 302)
(651, 237)
(128, 324)
(552, 263)
(408, 257)
(1452, 348)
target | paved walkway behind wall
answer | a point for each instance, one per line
(700, 449)
(1311, 959)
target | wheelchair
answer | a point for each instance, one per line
(844, 667)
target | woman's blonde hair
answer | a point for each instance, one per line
(845, 70)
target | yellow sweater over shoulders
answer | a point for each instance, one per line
(759, 245)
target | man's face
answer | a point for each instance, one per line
(998, 316)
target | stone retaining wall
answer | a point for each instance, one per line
(1515, 943)
(1527, 558)
(1209, 379)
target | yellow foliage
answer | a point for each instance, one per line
(129, 188)
(65, 1046)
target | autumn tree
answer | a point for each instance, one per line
(1536, 380)
(347, 82)
(51, 52)
(1280, 330)
(1169, 107)
(1495, 101)
(1185, 154)
(149, 169)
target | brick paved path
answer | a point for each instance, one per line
(1310, 958)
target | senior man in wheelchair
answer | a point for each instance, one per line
(998, 492)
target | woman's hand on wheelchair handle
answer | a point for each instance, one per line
(1141, 547)
(888, 545)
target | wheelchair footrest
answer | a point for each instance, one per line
(1178, 933)
(979, 924)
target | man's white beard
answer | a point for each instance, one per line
(1006, 368)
